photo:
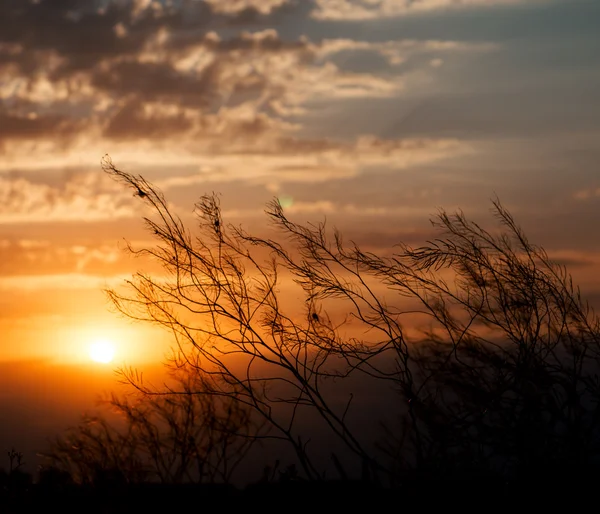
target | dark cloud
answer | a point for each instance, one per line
(266, 40)
(24, 127)
(84, 32)
(156, 82)
(72, 28)
(113, 60)
(383, 242)
(113, 64)
(199, 88)
(573, 261)
(132, 122)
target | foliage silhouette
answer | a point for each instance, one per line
(187, 437)
(508, 372)
(488, 345)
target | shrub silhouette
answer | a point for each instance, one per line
(188, 437)
(508, 372)
(491, 350)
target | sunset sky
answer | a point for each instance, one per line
(371, 113)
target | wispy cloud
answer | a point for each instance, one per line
(69, 281)
(296, 160)
(357, 10)
(292, 207)
(39, 257)
(587, 194)
(237, 6)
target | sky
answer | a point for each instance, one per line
(372, 114)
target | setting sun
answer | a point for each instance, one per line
(102, 351)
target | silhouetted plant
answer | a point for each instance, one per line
(239, 334)
(53, 478)
(15, 480)
(508, 372)
(189, 437)
(504, 377)
(15, 459)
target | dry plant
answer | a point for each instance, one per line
(505, 379)
(186, 437)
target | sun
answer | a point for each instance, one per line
(102, 351)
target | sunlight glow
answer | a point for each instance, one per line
(102, 351)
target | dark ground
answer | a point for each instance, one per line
(411, 496)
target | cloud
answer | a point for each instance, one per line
(292, 207)
(574, 259)
(84, 197)
(34, 126)
(284, 160)
(587, 194)
(148, 74)
(397, 52)
(163, 84)
(154, 81)
(43, 257)
(236, 6)
(234, 106)
(359, 10)
(136, 120)
(54, 281)
(201, 78)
